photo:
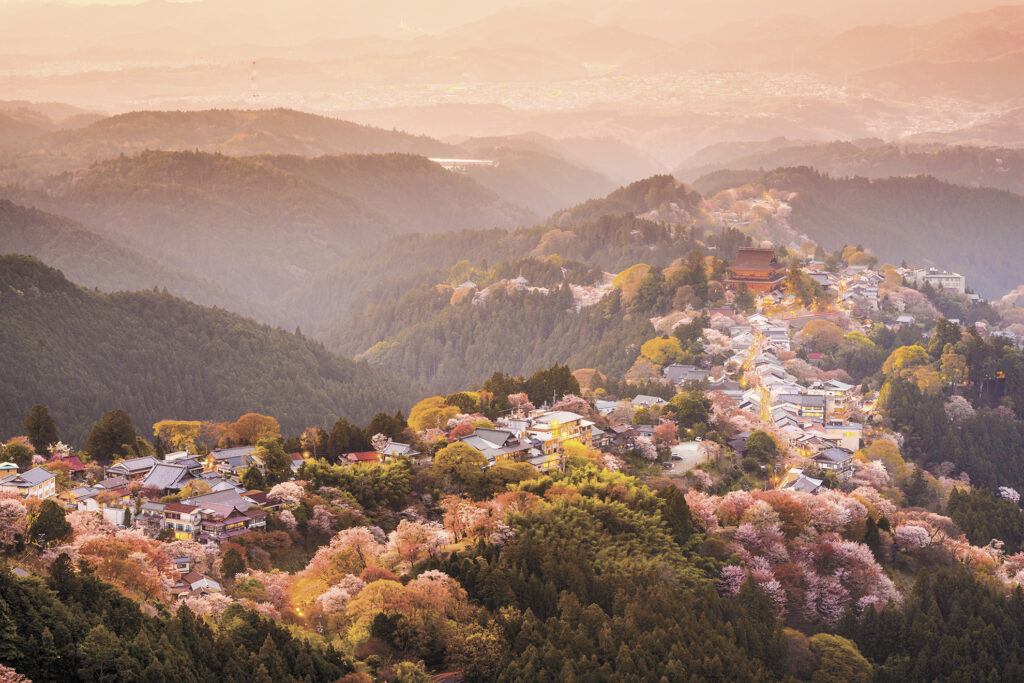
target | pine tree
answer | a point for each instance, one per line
(40, 429)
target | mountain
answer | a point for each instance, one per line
(922, 220)
(660, 197)
(996, 167)
(259, 226)
(615, 159)
(156, 356)
(232, 132)
(96, 261)
(414, 193)
(538, 181)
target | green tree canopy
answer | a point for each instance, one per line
(112, 436)
(276, 463)
(40, 428)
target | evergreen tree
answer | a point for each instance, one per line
(40, 428)
(253, 479)
(50, 525)
(111, 436)
(233, 563)
(276, 463)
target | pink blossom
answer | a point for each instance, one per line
(732, 578)
(335, 598)
(703, 507)
(211, 603)
(646, 448)
(288, 519)
(910, 538)
(286, 493)
(12, 521)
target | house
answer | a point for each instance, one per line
(182, 565)
(729, 387)
(183, 519)
(76, 469)
(621, 436)
(394, 449)
(805, 405)
(169, 478)
(678, 373)
(151, 512)
(501, 445)
(605, 407)
(739, 442)
(135, 468)
(231, 462)
(644, 401)
(195, 584)
(795, 480)
(362, 458)
(553, 428)
(33, 483)
(467, 284)
(838, 460)
(7, 468)
(847, 434)
(758, 269)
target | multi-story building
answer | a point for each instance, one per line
(940, 279)
(838, 396)
(33, 483)
(184, 520)
(758, 269)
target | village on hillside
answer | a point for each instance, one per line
(751, 397)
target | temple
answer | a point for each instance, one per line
(757, 269)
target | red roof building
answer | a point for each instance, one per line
(758, 269)
(363, 458)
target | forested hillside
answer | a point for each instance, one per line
(671, 200)
(388, 271)
(156, 356)
(541, 182)
(416, 194)
(96, 261)
(921, 220)
(444, 336)
(259, 226)
(995, 167)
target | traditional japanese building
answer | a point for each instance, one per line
(757, 269)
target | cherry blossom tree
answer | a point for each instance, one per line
(910, 538)
(287, 518)
(9, 675)
(731, 579)
(335, 598)
(1008, 493)
(12, 521)
(286, 493)
(702, 507)
(646, 448)
(322, 520)
(520, 402)
(414, 542)
(212, 603)
(958, 409)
